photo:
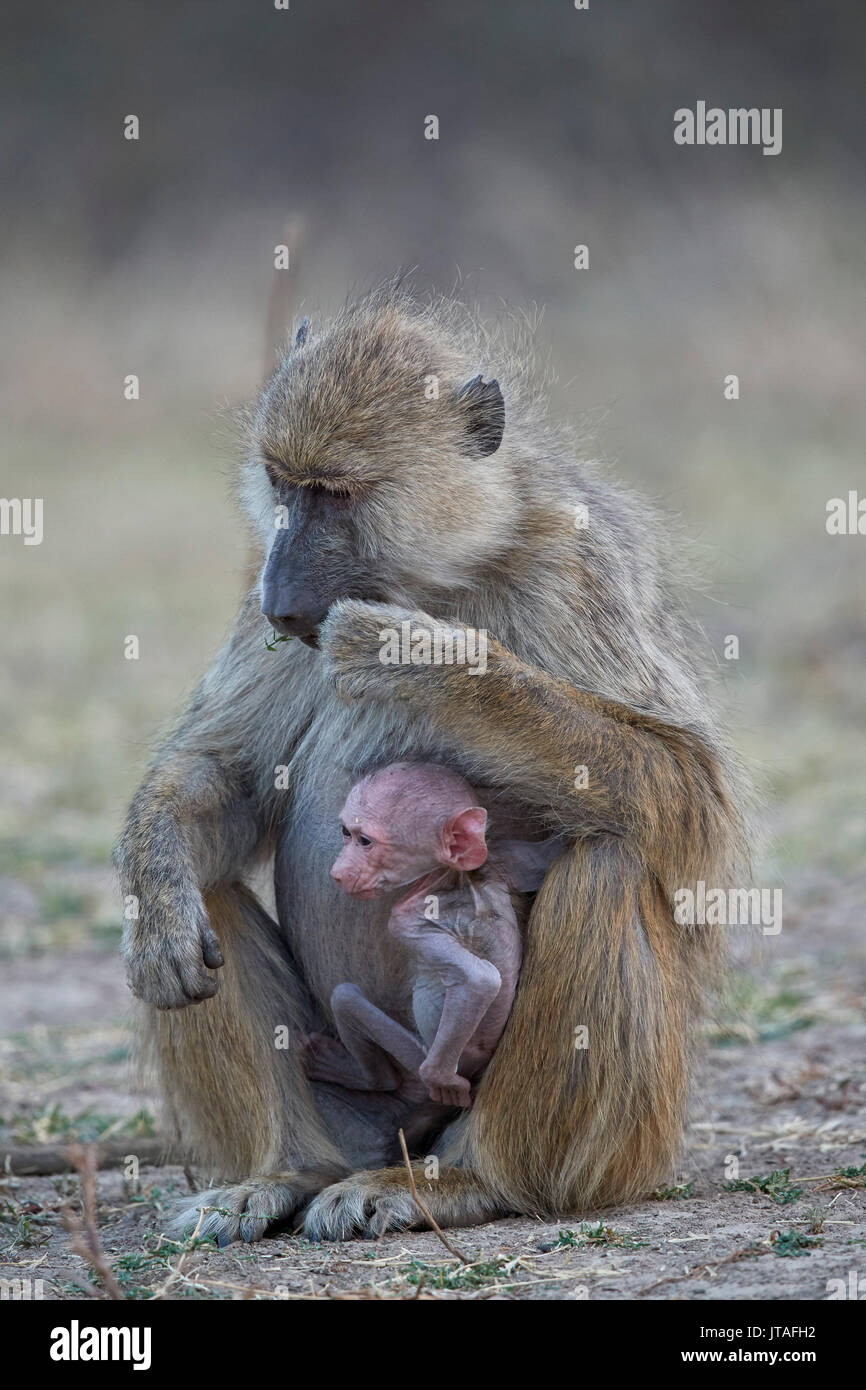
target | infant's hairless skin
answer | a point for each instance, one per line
(418, 827)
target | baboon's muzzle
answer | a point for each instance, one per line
(298, 623)
(295, 595)
(308, 571)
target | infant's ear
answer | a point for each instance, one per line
(463, 839)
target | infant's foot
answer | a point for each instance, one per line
(326, 1059)
(446, 1088)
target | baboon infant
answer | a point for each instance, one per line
(418, 827)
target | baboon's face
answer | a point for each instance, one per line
(374, 472)
(378, 854)
(314, 556)
(404, 821)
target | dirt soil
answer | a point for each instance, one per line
(782, 1087)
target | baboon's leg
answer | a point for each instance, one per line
(229, 1069)
(558, 1126)
(607, 996)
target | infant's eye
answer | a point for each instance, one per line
(364, 840)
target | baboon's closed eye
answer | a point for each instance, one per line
(329, 489)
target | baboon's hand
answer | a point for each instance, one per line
(167, 952)
(360, 641)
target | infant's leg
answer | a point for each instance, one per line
(326, 1059)
(374, 1040)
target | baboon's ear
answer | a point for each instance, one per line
(301, 335)
(483, 411)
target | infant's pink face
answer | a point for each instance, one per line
(374, 859)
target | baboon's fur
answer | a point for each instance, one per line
(593, 664)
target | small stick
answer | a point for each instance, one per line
(278, 320)
(709, 1267)
(282, 296)
(178, 1271)
(83, 1233)
(38, 1160)
(428, 1215)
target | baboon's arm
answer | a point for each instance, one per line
(189, 829)
(194, 824)
(515, 725)
(190, 819)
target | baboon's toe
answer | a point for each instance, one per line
(243, 1212)
(359, 1206)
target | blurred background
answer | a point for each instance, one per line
(155, 257)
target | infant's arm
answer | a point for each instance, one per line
(470, 984)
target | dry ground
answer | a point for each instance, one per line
(782, 1086)
(140, 540)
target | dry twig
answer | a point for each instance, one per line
(83, 1233)
(39, 1160)
(425, 1212)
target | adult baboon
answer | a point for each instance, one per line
(415, 490)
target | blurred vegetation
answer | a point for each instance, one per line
(155, 257)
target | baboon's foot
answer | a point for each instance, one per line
(247, 1210)
(369, 1204)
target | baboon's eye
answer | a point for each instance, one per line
(272, 468)
(364, 840)
(347, 834)
(331, 492)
